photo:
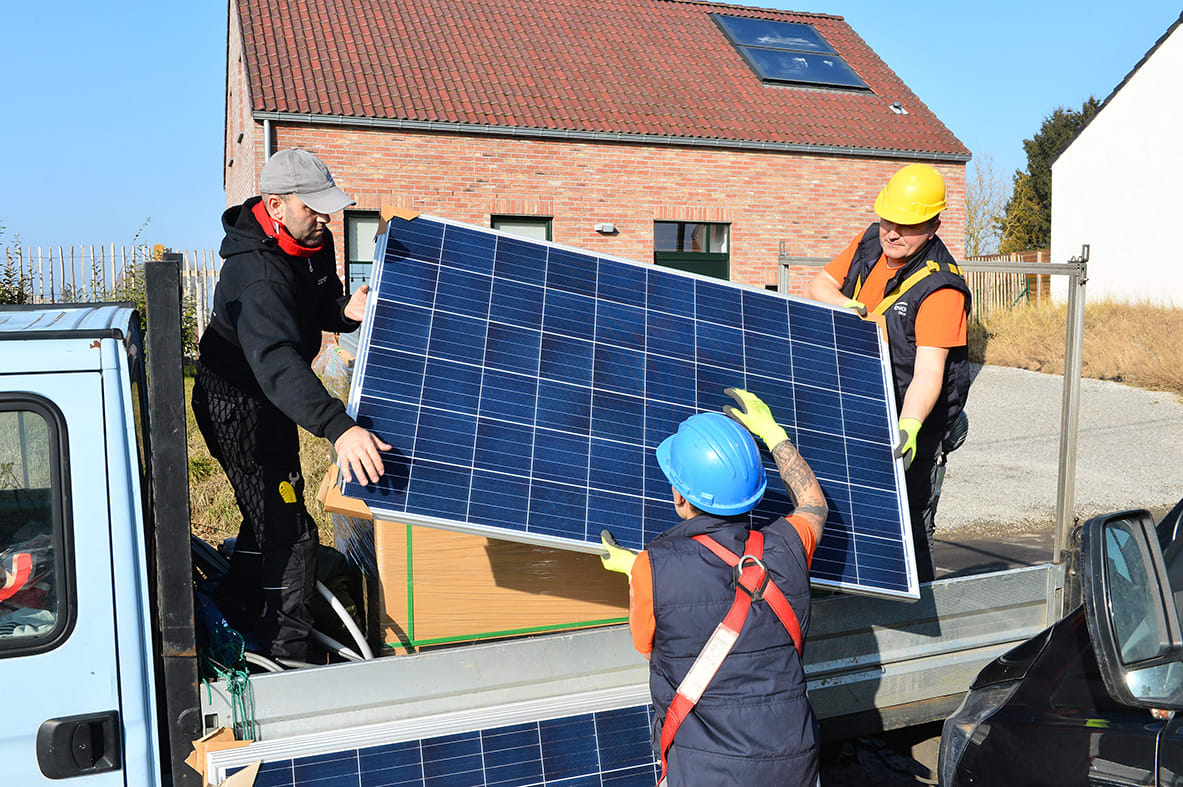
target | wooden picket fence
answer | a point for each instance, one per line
(59, 274)
(995, 291)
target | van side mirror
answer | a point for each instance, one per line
(1131, 611)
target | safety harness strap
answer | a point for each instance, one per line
(752, 583)
(930, 267)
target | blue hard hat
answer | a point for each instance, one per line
(713, 462)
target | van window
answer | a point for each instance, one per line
(31, 559)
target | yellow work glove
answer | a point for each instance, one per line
(755, 417)
(856, 306)
(618, 558)
(909, 428)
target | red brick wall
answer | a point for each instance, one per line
(243, 155)
(815, 204)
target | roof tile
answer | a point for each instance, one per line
(651, 67)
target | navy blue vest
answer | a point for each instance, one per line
(754, 724)
(901, 330)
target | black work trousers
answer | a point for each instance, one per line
(273, 570)
(920, 479)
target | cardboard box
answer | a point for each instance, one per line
(437, 587)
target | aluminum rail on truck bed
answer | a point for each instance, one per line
(877, 663)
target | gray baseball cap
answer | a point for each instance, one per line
(296, 171)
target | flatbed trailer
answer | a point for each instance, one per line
(110, 695)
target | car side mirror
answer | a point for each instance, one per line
(1131, 612)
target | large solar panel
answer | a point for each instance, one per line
(608, 747)
(525, 385)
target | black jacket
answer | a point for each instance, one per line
(269, 311)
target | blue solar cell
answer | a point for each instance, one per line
(505, 447)
(498, 500)
(419, 240)
(621, 284)
(513, 349)
(567, 359)
(400, 326)
(570, 272)
(567, 313)
(618, 324)
(325, 767)
(538, 416)
(670, 335)
(463, 292)
(616, 416)
(614, 466)
(717, 304)
(670, 293)
(445, 436)
(469, 250)
(519, 260)
(854, 335)
(564, 407)
(457, 338)
(719, 345)
(451, 384)
(418, 281)
(619, 370)
(516, 304)
(569, 747)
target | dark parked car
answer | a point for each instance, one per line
(1092, 699)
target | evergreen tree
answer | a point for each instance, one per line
(1027, 221)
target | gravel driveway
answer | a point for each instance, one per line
(1129, 452)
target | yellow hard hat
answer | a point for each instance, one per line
(913, 195)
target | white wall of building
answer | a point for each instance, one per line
(1119, 188)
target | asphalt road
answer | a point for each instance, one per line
(997, 509)
(1003, 480)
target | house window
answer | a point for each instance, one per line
(533, 227)
(360, 229)
(696, 247)
(788, 52)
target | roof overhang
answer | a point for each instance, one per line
(394, 124)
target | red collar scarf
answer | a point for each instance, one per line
(276, 230)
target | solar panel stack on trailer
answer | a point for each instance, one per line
(525, 385)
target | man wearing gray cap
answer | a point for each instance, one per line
(277, 291)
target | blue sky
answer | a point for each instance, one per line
(114, 111)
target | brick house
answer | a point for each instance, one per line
(692, 134)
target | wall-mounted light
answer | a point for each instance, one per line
(605, 228)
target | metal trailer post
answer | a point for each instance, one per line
(1069, 425)
(179, 706)
(1060, 602)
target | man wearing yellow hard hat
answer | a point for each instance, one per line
(900, 273)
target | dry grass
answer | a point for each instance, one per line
(1134, 344)
(212, 509)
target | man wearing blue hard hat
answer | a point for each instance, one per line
(721, 610)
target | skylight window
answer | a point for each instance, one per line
(788, 52)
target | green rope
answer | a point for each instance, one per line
(225, 659)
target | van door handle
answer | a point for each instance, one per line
(80, 745)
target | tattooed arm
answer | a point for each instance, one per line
(796, 473)
(802, 485)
